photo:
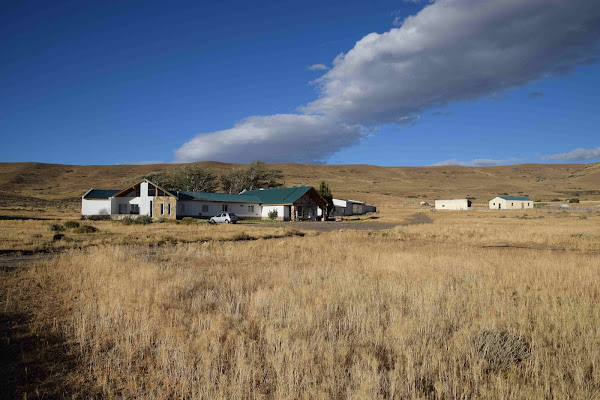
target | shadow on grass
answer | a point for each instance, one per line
(35, 359)
(31, 365)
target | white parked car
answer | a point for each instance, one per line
(227, 218)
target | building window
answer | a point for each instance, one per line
(204, 207)
(169, 209)
(122, 208)
(251, 209)
(162, 209)
(512, 204)
(135, 209)
(224, 207)
(151, 190)
(527, 204)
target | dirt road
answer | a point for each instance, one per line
(365, 225)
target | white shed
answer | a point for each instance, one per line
(510, 203)
(454, 204)
(345, 207)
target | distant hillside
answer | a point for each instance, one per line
(35, 182)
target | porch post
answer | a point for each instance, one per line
(324, 213)
(292, 212)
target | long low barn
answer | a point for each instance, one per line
(149, 199)
(345, 207)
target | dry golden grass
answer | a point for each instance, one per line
(386, 314)
(36, 236)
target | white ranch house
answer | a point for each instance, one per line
(149, 199)
(510, 203)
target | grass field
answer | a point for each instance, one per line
(477, 304)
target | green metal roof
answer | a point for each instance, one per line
(264, 196)
(514, 198)
(278, 195)
(223, 197)
(100, 193)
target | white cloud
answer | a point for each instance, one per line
(451, 51)
(579, 154)
(478, 162)
(457, 50)
(273, 138)
(317, 67)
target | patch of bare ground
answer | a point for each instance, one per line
(359, 224)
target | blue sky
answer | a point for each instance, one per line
(132, 82)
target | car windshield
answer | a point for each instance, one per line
(231, 214)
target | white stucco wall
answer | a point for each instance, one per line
(282, 211)
(143, 203)
(193, 208)
(95, 207)
(455, 204)
(503, 204)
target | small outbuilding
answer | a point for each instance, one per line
(510, 203)
(454, 204)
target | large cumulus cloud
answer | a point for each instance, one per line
(451, 51)
(457, 50)
(272, 138)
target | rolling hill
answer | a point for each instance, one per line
(36, 184)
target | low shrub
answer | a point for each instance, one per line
(242, 236)
(579, 235)
(127, 221)
(573, 200)
(71, 224)
(500, 348)
(95, 217)
(162, 220)
(168, 240)
(142, 220)
(188, 220)
(86, 229)
(57, 236)
(293, 232)
(36, 236)
(56, 228)
(273, 214)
